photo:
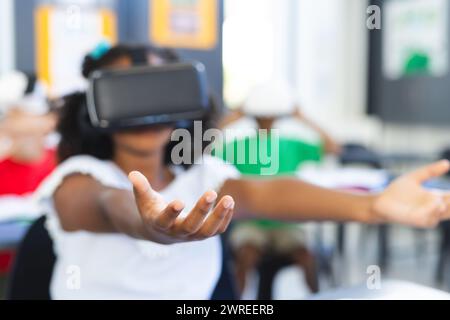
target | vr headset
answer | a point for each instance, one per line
(143, 96)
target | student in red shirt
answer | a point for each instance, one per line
(25, 160)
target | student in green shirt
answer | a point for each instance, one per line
(254, 154)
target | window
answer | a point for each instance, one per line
(248, 46)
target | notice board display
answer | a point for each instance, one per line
(189, 24)
(409, 78)
(63, 38)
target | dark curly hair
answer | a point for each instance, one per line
(137, 53)
(91, 64)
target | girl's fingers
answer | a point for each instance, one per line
(197, 223)
(430, 171)
(149, 201)
(141, 186)
(167, 218)
(226, 223)
(216, 218)
(193, 222)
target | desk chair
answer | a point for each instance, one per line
(444, 248)
(33, 266)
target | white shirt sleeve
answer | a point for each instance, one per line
(102, 171)
(105, 172)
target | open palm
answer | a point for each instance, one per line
(162, 219)
(405, 201)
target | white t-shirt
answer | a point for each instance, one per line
(115, 266)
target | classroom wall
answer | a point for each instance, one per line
(332, 79)
(331, 76)
(133, 19)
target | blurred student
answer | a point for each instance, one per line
(267, 112)
(125, 55)
(147, 245)
(26, 158)
(266, 104)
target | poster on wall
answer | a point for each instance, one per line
(190, 24)
(63, 38)
(415, 38)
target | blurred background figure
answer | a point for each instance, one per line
(27, 155)
(268, 245)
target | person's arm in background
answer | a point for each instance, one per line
(331, 146)
(404, 201)
(6, 145)
(20, 123)
(23, 134)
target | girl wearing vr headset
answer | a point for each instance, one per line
(160, 241)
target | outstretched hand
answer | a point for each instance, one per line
(404, 201)
(163, 219)
(407, 202)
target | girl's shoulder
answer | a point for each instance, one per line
(88, 165)
(103, 171)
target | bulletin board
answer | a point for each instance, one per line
(63, 37)
(188, 24)
(416, 39)
(409, 62)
